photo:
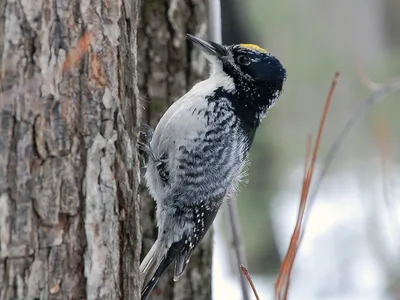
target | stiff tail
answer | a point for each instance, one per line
(152, 267)
(158, 259)
(180, 264)
(150, 262)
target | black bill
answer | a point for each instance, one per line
(207, 46)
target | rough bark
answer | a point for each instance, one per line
(168, 66)
(69, 215)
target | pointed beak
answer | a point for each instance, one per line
(209, 48)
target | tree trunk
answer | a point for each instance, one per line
(168, 67)
(69, 207)
(69, 215)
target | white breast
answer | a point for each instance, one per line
(180, 123)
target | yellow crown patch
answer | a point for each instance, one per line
(254, 47)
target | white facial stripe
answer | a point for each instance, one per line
(232, 62)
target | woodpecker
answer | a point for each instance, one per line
(200, 147)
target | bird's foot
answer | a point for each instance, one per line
(147, 131)
(162, 167)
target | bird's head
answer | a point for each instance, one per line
(258, 76)
(245, 62)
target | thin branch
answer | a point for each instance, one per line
(389, 88)
(283, 281)
(237, 243)
(324, 115)
(307, 156)
(368, 83)
(216, 36)
(247, 275)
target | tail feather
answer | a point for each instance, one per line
(150, 262)
(181, 262)
(148, 288)
(158, 260)
(152, 267)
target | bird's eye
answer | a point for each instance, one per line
(243, 60)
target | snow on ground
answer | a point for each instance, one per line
(351, 242)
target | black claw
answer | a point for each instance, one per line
(161, 168)
(143, 145)
(146, 127)
(147, 130)
(147, 149)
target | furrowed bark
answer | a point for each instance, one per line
(69, 171)
(69, 212)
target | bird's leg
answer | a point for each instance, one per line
(147, 149)
(161, 167)
(147, 131)
(161, 162)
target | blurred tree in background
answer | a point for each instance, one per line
(313, 39)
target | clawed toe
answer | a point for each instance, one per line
(147, 149)
(147, 130)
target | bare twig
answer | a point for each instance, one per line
(283, 281)
(237, 243)
(368, 83)
(247, 275)
(216, 36)
(389, 88)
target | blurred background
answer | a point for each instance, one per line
(351, 247)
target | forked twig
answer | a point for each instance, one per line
(283, 281)
(371, 85)
(392, 87)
